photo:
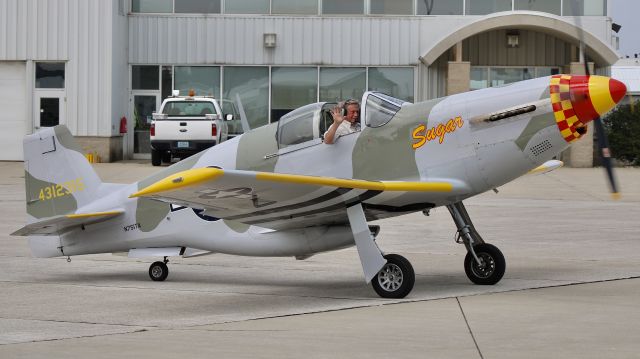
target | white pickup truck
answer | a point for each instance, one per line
(186, 125)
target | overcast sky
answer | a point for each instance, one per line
(627, 14)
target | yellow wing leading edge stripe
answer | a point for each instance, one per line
(199, 175)
(95, 214)
(181, 179)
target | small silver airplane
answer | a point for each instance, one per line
(280, 191)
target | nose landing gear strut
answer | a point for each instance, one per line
(484, 264)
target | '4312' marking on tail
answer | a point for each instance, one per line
(60, 190)
(421, 135)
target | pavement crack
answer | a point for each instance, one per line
(75, 337)
(80, 322)
(469, 327)
(177, 290)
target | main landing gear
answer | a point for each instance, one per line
(158, 271)
(484, 264)
(391, 275)
(395, 279)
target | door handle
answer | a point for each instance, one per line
(183, 130)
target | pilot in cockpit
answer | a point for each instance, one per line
(346, 120)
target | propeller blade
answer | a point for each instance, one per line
(605, 155)
(603, 142)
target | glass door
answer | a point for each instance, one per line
(144, 105)
(49, 110)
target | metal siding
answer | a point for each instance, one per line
(77, 32)
(160, 39)
(489, 49)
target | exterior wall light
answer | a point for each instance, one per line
(513, 39)
(269, 40)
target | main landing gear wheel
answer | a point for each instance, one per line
(158, 271)
(395, 279)
(492, 266)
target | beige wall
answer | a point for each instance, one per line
(108, 149)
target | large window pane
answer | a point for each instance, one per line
(145, 77)
(252, 83)
(153, 6)
(393, 81)
(584, 8)
(550, 6)
(198, 6)
(50, 75)
(479, 78)
(392, 7)
(294, 7)
(204, 80)
(547, 71)
(440, 7)
(503, 76)
(167, 81)
(246, 6)
(292, 87)
(484, 7)
(339, 7)
(339, 84)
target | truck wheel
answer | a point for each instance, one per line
(166, 157)
(156, 157)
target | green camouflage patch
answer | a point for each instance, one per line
(254, 146)
(41, 203)
(237, 226)
(385, 153)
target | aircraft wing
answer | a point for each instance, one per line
(279, 201)
(58, 224)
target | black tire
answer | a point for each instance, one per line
(156, 157)
(494, 267)
(158, 271)
(166, 157)
(395, 279)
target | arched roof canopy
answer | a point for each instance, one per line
(597, 50)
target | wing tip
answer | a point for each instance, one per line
(179, 180)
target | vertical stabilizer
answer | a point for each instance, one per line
(58, 178)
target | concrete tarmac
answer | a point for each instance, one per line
(571, 289)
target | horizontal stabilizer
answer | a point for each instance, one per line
(59, 224)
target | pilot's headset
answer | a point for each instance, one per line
(347, 103)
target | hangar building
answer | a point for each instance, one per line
(90, 63)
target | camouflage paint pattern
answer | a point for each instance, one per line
(150, 213)
(389, 146)
(66, 139)
(236, 226)
(254, 146)
(49, 207)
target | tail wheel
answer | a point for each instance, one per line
(492, 266)
(395, 279)
(158, 271)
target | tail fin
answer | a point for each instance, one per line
(58, 178)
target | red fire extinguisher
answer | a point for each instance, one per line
(123, 125)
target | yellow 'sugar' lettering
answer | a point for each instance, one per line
(60, 190)
(421, 135)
